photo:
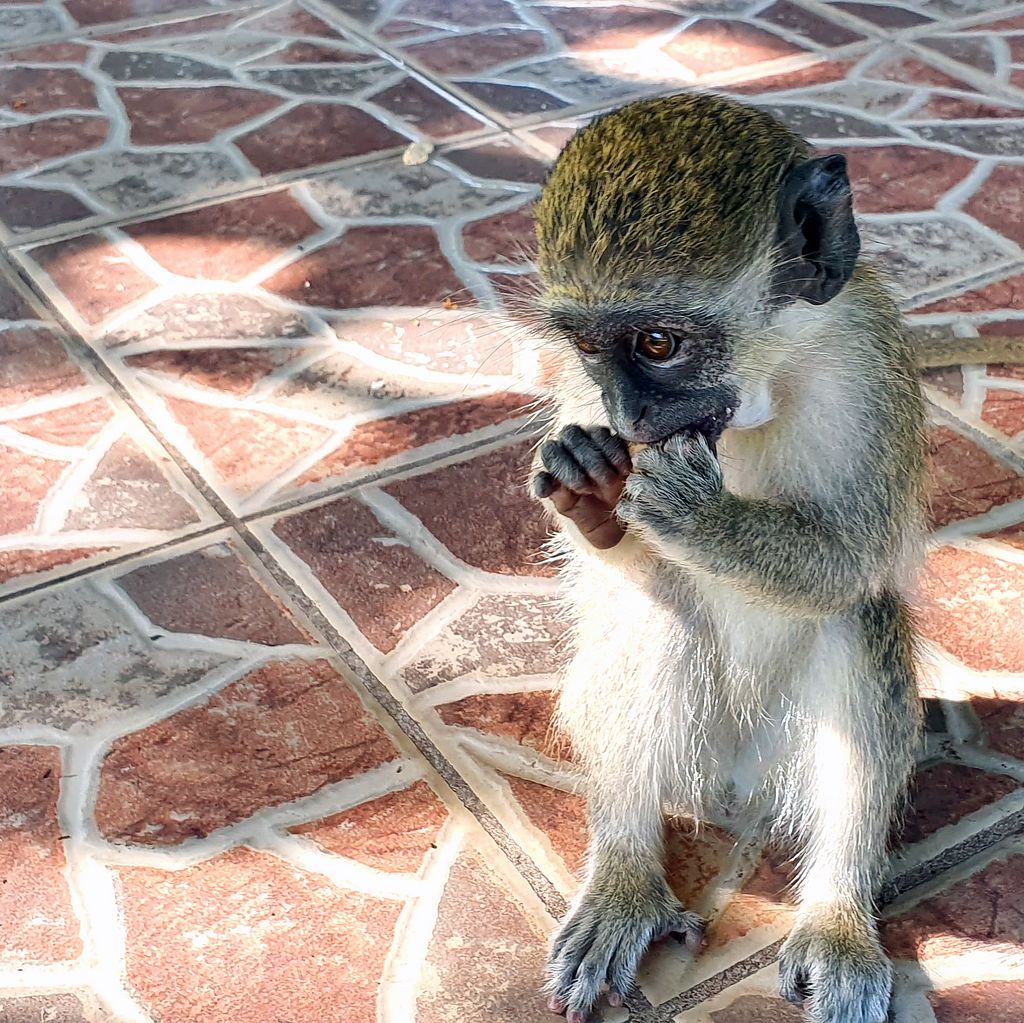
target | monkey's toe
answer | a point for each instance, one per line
(839, 978)
(602, 944)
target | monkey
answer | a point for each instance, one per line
(736, 467)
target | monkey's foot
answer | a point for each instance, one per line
(603, 941)
(837, 968)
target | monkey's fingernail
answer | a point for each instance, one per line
(557, 1005)
(576, 1017)
(615, 1000)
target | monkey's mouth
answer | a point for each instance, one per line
(713, 425)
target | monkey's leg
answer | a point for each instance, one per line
(864, 714)
(625, 904)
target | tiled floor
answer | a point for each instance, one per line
(276, 643)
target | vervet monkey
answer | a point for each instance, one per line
(737, 463)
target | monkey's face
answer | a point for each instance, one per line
(658, 375)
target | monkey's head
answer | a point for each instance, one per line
(671, 232)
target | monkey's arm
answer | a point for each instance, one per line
(792, 556)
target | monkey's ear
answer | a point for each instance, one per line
(817, 237)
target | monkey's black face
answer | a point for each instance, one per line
(658, 379)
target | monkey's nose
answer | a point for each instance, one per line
(639, 418)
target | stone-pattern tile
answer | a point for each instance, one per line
(993, 48)
(183, 753)
(142, 118)
(527, 60)
(40, 925)
(83, 480)
(252, 330)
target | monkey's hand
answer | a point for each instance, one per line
(584, 473)
(836, 964)
(670, 481)
(604, 939)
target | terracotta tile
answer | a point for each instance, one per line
(368, 266)
(27, 480)
(211, 592)
(967, 481)
(803, 22)
(96, 12)
(377, 440)
(471, 52)
(393, 833)
(971, 604)
(1005, 294)
(226, 241)
(427, 111)
(296, 946)
(23, 145)
(42, 1009)
(508, 534)
(93, 275)
(1004, 410)
(500, 636)
(526, 718)
(486, 959)
(983, 913)
(758, 1009)
(503, 238)
(619, 27)
(998, 202)
(372, 574)
(990, 1001)
(209, 317)
(817, 74)
(24, 562)
(228, 370)
(694, 857)
(945, 793)
(1003, 721)
(562, 816)
(35, 904)
(168, 30)
(281, 732)
(246, 447)
(32, 90)
(33, 362)
(710, 44)
(763, 900)
(72, 659)
(892, 179)
(315, 133)
(128, 490)
(70, 425)
(54, 53)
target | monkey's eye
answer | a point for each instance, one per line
(656, 345)
(587, 347)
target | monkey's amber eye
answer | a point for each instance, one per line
(587, 347)
(656, 345)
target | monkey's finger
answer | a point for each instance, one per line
(558, 461)
(544, 485)
(614, 448)
(589, 454)
(597, 522)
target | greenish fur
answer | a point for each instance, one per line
(669, 184)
